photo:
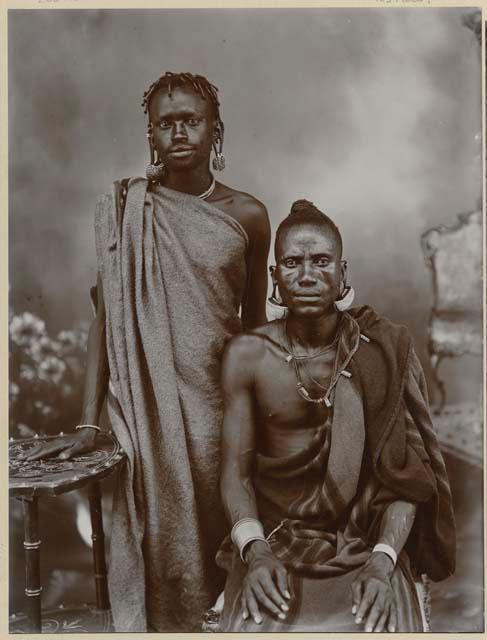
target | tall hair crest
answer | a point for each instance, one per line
(304, 206)
(305, 212)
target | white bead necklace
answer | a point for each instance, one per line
(209, 191)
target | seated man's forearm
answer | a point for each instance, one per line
(238, 496)
(373, 598)
(396, 525)
(239, 501)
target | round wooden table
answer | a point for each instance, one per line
(31, 480)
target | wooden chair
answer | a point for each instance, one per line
(454, 254)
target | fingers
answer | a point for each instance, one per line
(245, 609)
(263, 599)
(392, 623)
(365, 604)
(357, 591)
(32, 452)
(282, 583)
(74, 449)
(381, 622)
(379, 609)
(261, 591)
(375, 614)
(252, 605)
(68, 452)
(270, 589)
(44, 450)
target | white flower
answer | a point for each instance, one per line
(26, 327)
(71, 340)
(83, 338)
(27, 373)
(42, 347)
(44, 409)
(67, 390)
(52, 369)
(13, 391)
(67, 339)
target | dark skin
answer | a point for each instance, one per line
(264, 413)
(184, 129)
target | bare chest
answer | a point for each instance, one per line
(279, 401)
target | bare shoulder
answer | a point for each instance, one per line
(254, 209)
(244, 349)
(245, 354)
(270, 332)
(244, 201)
(245, 208)
(252, 346)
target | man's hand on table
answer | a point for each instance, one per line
(63, 447)
(373, 598)
(265, 583)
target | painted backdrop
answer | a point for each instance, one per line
(375, 115)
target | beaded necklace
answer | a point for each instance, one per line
(297, 359)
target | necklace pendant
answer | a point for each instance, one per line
(303, 392)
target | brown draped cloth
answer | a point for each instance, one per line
(325, 503)
(174, 272)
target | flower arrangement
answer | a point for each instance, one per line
(46, 376)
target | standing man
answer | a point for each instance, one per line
(332, 475)
(178, 255)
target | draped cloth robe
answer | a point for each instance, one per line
(173, 269)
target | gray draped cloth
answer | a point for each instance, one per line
(173, 270)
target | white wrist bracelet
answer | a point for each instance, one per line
(245, 531)
(87, 426)
(388, 550)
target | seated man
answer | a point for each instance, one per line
(332, 477)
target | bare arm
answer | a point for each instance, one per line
(254, 302)
(238, 443)
(265, 584)
(96, 379)
(396, 524)
(96, 384)
(372, 593)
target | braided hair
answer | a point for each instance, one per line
(198, 84)
(305, 212)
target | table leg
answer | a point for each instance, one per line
(32, 545)
(98, 537)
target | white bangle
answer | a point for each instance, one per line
(87, 426)
(245, 531)
(388, 550)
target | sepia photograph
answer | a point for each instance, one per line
(245, 319)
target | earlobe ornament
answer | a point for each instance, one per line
(276, 309)
(275, 297)
(155, 172)
(346, 300)
(218, 162)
